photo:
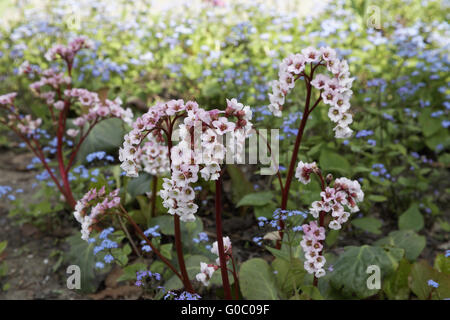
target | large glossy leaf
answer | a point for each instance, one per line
(411, 219)
(331, 161)
(411, 242)
(349, 275)
(396, 284)
(81, 254)
(256, 199)
(289, 275)
(257, 280)
(105, 136)
(368, 224)
(139, 185)
(421, 273)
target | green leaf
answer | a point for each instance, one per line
(421, 273)
(241, 185)
(396, 284)
(408, 240)
(81, 253)
(310, 292)
(256, 199)
(129, 272)
(165, 224)
(411, 219)
(289, 275)
(257, 280)
(349, 275)
(139, 185)
(332, 161)
(377, 198)
(3, 245)
(166, 250)
(368, 224)
(105, 136)
(442, 264)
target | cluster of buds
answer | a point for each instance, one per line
(207, 270)
(23, 124)
(153, 158)
(96, 109)
(335, 91)
(200, 149)
(304, 170)
(98, 202)
(68, 52)
(312, 247)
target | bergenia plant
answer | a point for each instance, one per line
(188, 141)
(333, 90)
(55, 89)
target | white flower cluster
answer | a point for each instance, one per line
(345, 193)
(100, 202)
(153, 157)
(312, 247)
(304, 170)
(207, 270)
(335, 90)
(200, 149)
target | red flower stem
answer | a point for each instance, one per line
(38, 152)
(221, 249)
(236, 279)
(154, 249)
(185, 277)
(298, 140)
(59, 154)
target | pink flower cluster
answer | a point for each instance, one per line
(52, 78)
(304, 170)
(24, 124)
(98, 202)
(335, 90)
(207, 270)
(8, 99)
(312, 247)
(345, 193)
(200, 148)
(96, 108)
(68, 52)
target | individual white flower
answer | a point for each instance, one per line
(304, 170)
(311, 54)
(205, 274)
(342, 132)
(327, 53)
(346, 119)
(335, 114)
(320, 81)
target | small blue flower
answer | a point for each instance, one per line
(108, 258)
(433, 283)
(99, 265)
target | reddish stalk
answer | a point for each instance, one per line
(298, 140)
(306, 112)
(221, 249)
(154, 249)
(236, 279)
